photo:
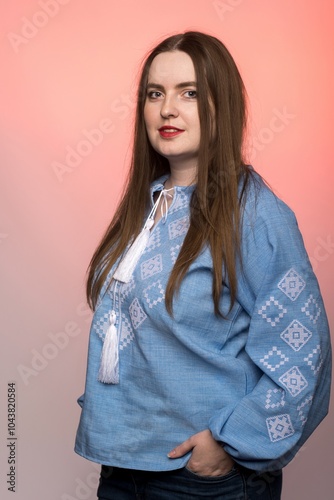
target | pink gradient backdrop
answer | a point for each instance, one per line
(69, 66)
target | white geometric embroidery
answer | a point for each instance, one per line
(154, 240)
(294, 381)
(300, 409)
(180, 202)
(272, 311)
(174, 252)
(137, 314)
(154, 294)
(275, 398)
(279, 427)
(151, 266)
(292, 284)
(126, 288)
(127, 334)
(296, 335)
(272, 354)
(178, 227)
(308, 359)
(101, 325)
(312, 309)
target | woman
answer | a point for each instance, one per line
(209, 360)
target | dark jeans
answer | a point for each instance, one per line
(181, 484)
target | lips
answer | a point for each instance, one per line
(167, 131)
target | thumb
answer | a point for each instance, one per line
(181, 449)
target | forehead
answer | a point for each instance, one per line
(171, 68)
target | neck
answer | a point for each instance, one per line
(181, 177)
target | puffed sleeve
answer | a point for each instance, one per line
(288, 340)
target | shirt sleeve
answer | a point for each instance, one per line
(288, 340)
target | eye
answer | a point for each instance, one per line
(191, 94)
(154, 94)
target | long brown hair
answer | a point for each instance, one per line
(215, 208)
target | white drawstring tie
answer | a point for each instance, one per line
(109, 365)
(127, 265)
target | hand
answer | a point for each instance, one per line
(208, 458)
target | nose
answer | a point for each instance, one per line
(169, 107)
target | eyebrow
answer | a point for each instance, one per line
(178, 86)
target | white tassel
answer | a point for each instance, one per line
(109, 365)
(109, 369)
(127, 265)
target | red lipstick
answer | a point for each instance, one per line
(167, 131)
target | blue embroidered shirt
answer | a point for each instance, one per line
(259, 379)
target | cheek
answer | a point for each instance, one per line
(147, 116)
(194, 121)
(197, 126)
(148, 124)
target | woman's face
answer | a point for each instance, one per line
(171, 112)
